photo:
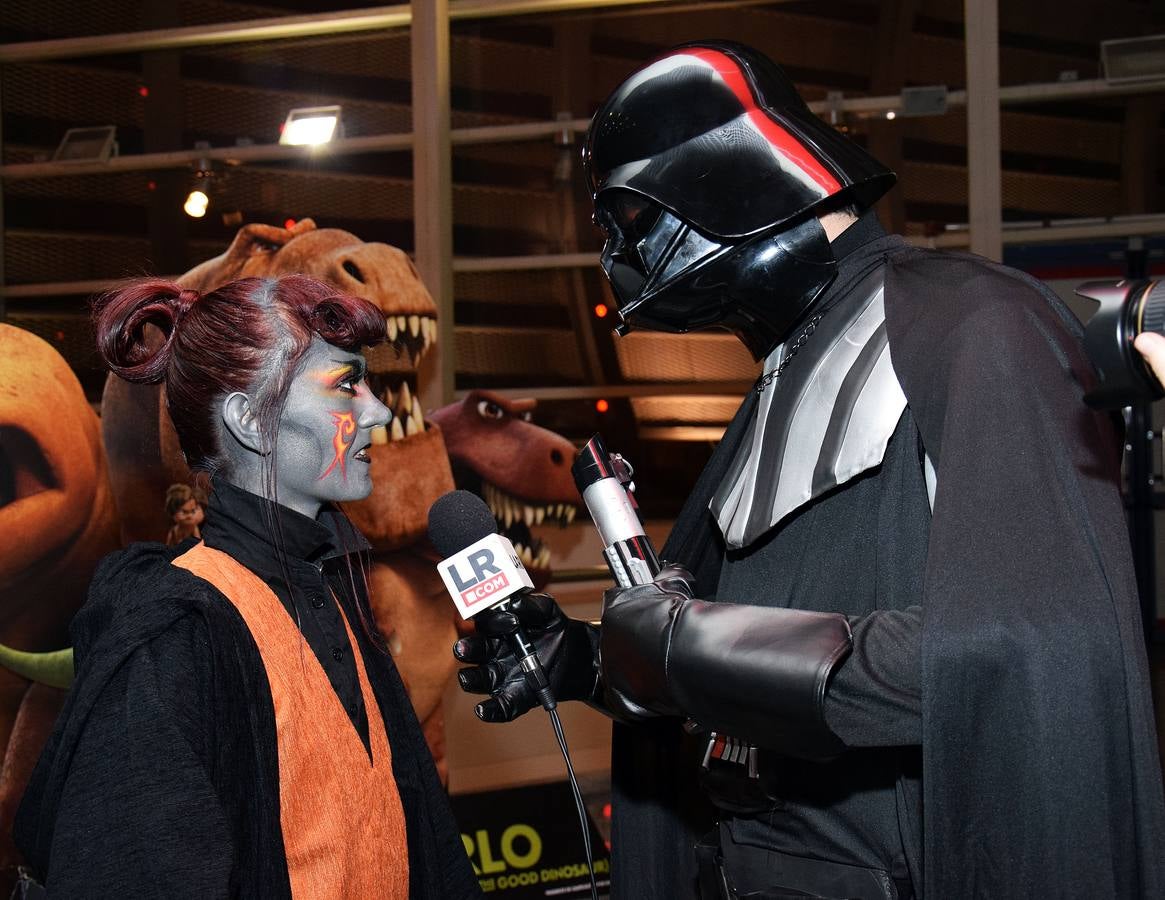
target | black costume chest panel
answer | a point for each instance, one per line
(857, 549)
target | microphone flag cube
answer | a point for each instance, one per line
(483, 574)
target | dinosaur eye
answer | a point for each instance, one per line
(527, 416)
(487, 409)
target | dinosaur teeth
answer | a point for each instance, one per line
(390, 328)
(396, 431)
(378, 435)
(539, 515)
(415, 413)
(404, 404)
(414, 325)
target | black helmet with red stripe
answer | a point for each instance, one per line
(708, 173)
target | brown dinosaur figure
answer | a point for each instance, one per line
(57, 519)
(520, 469)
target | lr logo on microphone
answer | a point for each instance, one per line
(483, 574)
(484, 579)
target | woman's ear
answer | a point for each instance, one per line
(242, 422)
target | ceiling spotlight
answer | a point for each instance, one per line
(197, 200)
(81, 145)
(311, 125)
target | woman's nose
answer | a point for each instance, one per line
(372, 412)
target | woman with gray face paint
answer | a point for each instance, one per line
(235, 727)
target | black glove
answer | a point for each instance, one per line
(752, 672)
(567, 649)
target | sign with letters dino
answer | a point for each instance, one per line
(525, 842)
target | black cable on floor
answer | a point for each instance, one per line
(584, 822)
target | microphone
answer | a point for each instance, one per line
(481, 570)
(604, 480)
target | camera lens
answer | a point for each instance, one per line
(1126, 309)
(1150, 307)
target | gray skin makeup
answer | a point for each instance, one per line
(324, 432)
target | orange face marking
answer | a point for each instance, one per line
(345, 424)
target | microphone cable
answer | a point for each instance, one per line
(584, 822)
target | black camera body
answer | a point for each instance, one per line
(1127, 308)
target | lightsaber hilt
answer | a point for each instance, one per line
(605, 482)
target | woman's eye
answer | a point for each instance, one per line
(348, 386)
(487, 409)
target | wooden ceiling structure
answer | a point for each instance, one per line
(463, 121)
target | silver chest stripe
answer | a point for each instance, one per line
(813, 460)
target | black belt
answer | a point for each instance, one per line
(761, 873)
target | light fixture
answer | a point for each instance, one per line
(926, 100)
(1133, 59)
(81, 145)
(312, 125)
(198, 199)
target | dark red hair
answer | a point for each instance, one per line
(247, 336)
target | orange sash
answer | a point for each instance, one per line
(341, 816)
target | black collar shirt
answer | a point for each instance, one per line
(319, 563)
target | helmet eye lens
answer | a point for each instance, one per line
(635, 215)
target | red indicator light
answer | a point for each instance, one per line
(151, 185)
(602, 405)
(289, 224)
(143, 91)
(601, 310)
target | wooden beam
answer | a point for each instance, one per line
(985, 200)
(895, 26)
(433, 188)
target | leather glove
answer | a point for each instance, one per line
(567, 649)
(752, 672)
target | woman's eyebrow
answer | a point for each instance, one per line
(351, 367)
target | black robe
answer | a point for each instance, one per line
(1039, 766)
(157, 782)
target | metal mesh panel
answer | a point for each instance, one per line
(1054, 195)
(31, 257)
(73, 94)
(517, 288)
(693, 408)
(1023, 132)
(70, 19)
(517, 352)
(684, 357)
(205, 12)
(71, 335)
(38, 257)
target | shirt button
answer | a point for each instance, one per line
(337, 653)
(317, 602)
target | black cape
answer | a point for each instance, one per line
(159, 782)
(1040, 765)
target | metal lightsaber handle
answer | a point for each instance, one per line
(604, 481)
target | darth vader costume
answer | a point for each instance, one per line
(906, 659)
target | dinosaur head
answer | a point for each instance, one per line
(56, 511)
(520, 469)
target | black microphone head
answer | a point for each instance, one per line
(458, 519)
